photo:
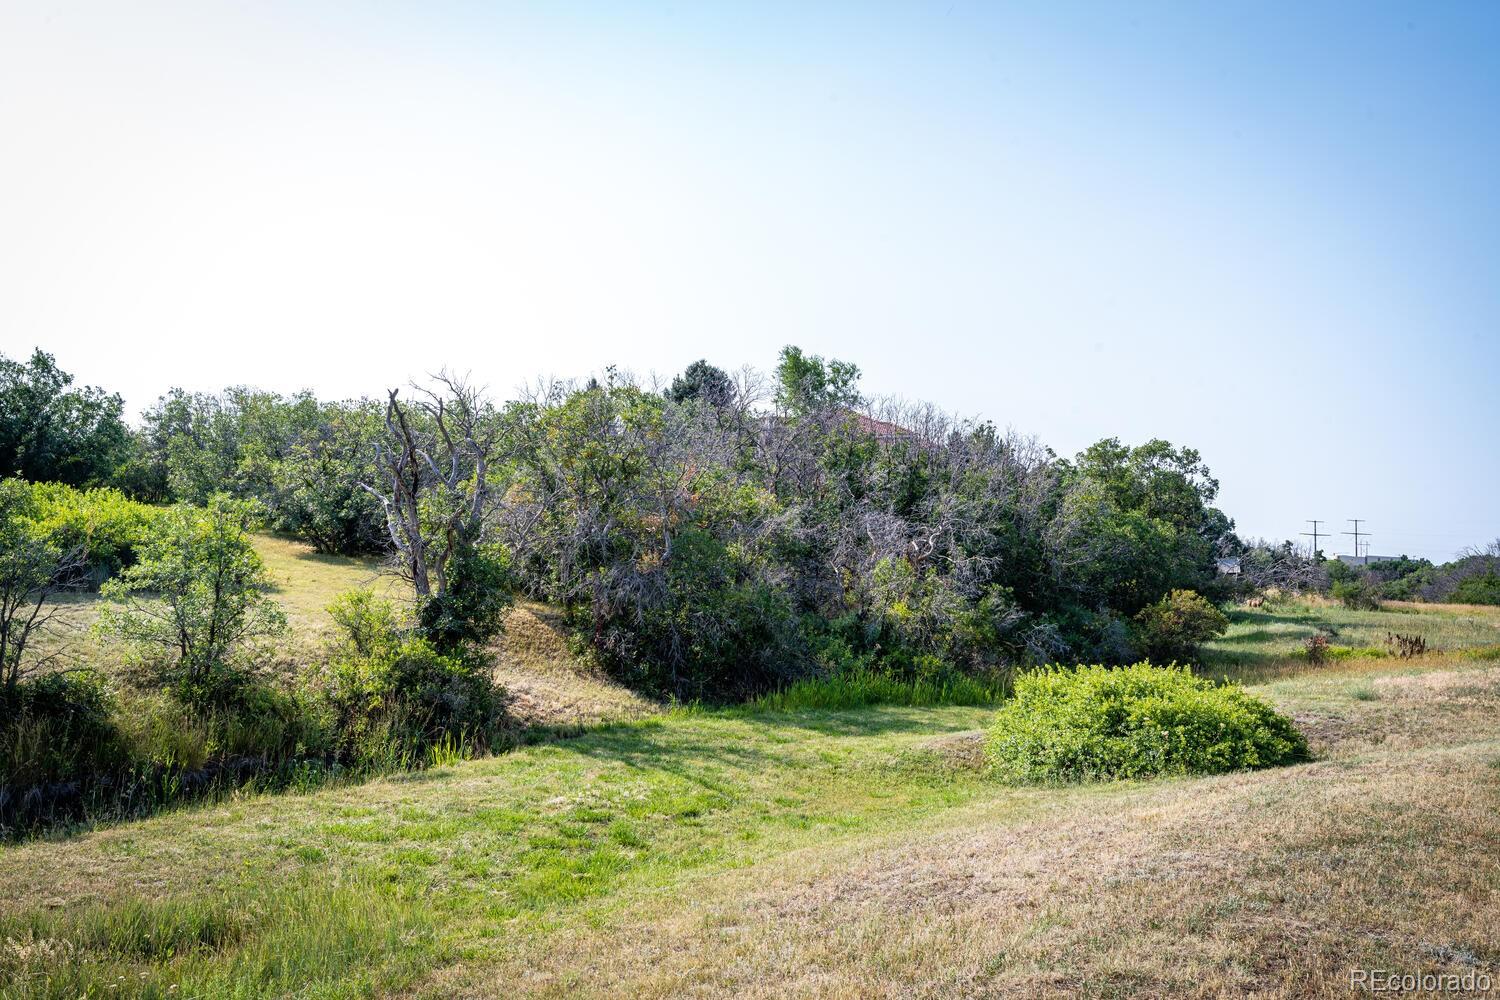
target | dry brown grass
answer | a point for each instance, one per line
(1385, 853)
(861, 854)
(545, 683)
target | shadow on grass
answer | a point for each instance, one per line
(1263, 635)
(870, 720)
(681, 747)
(75, 598)
(1302, 619)
(369, 564)
(679, 752)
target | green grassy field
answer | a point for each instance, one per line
(847, 853)
(1266, 642)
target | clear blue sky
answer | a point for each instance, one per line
(1270, 231)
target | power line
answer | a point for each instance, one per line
(1315, 534)
(1357, 533)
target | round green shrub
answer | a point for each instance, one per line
(1175, 626)
(1082, 723)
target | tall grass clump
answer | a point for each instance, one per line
(858, 690)
(269, 941)
(1093, 722)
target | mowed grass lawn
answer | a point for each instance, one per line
(817, 854)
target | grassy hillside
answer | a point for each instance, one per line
(814, 853)
(1269, 641)
(305, 583)
(544, 682)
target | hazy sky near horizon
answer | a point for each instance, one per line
(1269, 231)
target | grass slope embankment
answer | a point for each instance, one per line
(835, 852)
(817, 854)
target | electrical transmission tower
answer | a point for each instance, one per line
(1356, 521)
(1315, 536)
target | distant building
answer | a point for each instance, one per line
(1365, 560)
(1229, 566)
(881, 430)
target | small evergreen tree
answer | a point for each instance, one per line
(704, 382)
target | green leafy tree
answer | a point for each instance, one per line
(1136, 523)
(318, 483)
(807, 383)
(50, 432)
(197, 595)
(192, 442)
(1470, 579)
(1481, 588)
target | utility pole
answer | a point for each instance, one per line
(1357, 533)
(1315, 535)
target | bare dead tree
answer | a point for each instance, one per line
(1281, 567)
(437, 484)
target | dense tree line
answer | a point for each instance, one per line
(52, 432)
(722, 535)
(714, 536)
(711, 537)
(1472, 578)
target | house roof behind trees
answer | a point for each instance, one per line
(881, 430)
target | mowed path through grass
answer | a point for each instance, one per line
(461, 861)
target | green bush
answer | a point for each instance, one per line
(106, 524)
(1482, 588)
(440, 694)
(196, 600)
(1175, 626)
(715, 635)
(471, 612)
(1359, 594)
(56, 727)
(1082, 723)
(387, 682)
